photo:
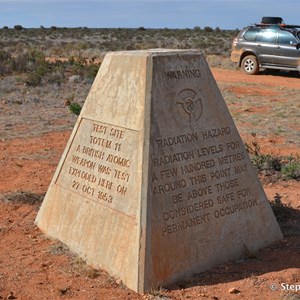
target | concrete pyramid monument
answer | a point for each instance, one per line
(155, 183)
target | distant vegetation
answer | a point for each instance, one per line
(56, 58)
(90, 43)
(51, 55)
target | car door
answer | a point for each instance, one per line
(266, 44)
(286, 52)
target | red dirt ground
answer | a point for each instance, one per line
(33, 266)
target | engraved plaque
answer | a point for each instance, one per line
(99, 166)
(203, 184)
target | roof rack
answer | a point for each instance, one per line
(275, 22)
(277, 25)
(290, 26)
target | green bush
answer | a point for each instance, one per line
(77, 65)
(5, 62)
(18, 27)
(289, 167)
(37, 68)
(91, 72)
(36, 57)
(75, 108)
(208, 29)
(35, 77)
(291, 170)
(19, 63)
(262, 161)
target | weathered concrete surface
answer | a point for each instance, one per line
(155, 183)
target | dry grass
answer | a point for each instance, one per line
(23, 197)
(266, 114)
(92, 43)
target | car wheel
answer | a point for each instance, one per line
(250, 65)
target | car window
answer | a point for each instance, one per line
(251, 34)
(286, 38)
(268, 36)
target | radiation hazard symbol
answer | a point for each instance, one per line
(190, 103)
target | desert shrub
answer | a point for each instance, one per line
(18, 27)
(24, 198)
(8, 84)
(287, 167)
(5, 62)
(37, 68)
(19, 64)
(91, 72)
(139, 38)
(158, 293)
(75, 108)
(75, 79)
(208, 29)
(265, 162)
(4, 56)
(55, 78)
(5, 27)
(36, 57)
(220, 61)
(76, 65)
(262, 161)
(35, 77)
(291, 170)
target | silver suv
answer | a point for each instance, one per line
(269, 46)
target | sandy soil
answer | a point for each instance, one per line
(33, 266)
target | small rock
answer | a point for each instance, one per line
(234, 291)
(11, 296)
(118, 281)
(74, 79)
(63, 291)
(44, 265)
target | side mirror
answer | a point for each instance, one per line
(297, 45)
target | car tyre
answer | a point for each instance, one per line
(250, 65)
